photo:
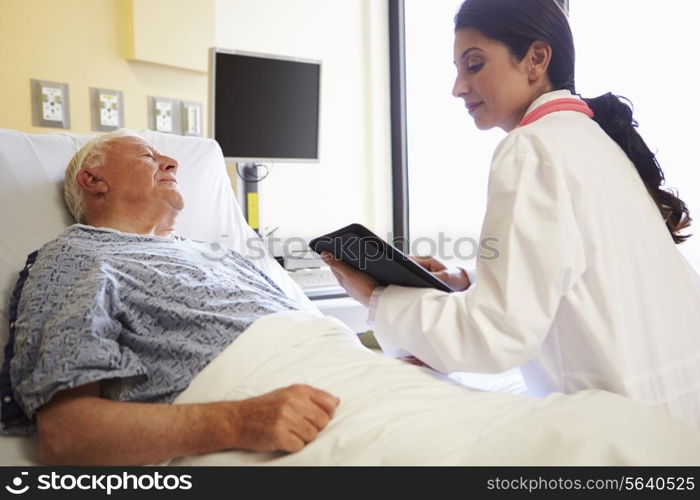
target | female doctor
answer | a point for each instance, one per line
(588, 289)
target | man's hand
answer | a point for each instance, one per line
(286, 419)
(78, 427)
(456, 278)
(358, 284)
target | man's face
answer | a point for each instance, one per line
(139, 177)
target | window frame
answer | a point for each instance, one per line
(399, 132)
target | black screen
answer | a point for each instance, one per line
(266, 108)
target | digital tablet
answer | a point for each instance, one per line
(361, 249)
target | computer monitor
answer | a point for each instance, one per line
(264, 108)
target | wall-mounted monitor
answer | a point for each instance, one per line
(264, 107)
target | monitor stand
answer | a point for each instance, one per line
(249, 172)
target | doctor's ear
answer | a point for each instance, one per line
(537, 59)
(91, 181)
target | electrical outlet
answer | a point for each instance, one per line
(50, 104)
(107, 109)
(164, 114)
(192, 118)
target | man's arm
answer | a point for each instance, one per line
(79, 427)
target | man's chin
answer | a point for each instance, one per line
(176, 201)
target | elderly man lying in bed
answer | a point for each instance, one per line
(117, 312)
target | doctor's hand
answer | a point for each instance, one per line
(356, 283)
(455, 277)
(412, 360)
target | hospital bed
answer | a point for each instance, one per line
(390, 412)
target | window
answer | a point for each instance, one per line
(448, 157)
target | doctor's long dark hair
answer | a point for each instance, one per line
(518, 23)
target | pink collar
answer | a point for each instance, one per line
(563, 104)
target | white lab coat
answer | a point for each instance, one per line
(588, 289)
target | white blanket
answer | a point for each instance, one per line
(393, 413)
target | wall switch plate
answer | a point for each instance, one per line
(191, 118)
(107, 109)
(50, 104)
(164, 114)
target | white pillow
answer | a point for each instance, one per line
(33, 212)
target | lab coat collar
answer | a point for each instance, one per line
(550, 96)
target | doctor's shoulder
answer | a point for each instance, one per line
(531, 158)
(527, 141)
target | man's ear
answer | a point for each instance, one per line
(91, 181)
(538, 57)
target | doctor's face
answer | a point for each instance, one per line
(494, 86)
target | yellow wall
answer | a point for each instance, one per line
(82, 43)
(181, 37)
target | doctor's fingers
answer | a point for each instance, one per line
(346, 274)
(412, 360)
(341, 270)
(455, 277)
(332, 262)
(430, 263)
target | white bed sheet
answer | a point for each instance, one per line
(392, 413)
(18, 451)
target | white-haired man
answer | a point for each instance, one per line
(118, 315)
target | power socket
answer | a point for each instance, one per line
(50, 104)
(191, 118)
(107, 109)
(164, 115)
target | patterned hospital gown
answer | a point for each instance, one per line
(141, 314)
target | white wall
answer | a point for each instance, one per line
(351, 183)
(448, 157)
(651, 61)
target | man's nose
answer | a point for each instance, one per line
(169, 164)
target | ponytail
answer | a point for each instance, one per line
(615, 118)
